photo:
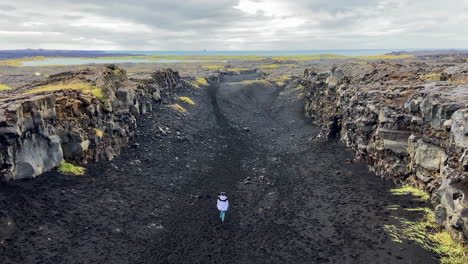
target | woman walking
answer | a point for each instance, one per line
(223, 205)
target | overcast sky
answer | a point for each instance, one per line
(233, 24)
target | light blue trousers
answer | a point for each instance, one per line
(221, 215)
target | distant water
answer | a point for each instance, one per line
(355, 52)
(74, 61)
(95, 61)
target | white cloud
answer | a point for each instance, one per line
(233, 24)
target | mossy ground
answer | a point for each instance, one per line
(426, 231)
(68, 168)
(187, 100)
(178, 108)
(432, 76)
(404, 190)
(19, 62)
(82, 86)
(201, 81)
(4, 87)
(99, 132)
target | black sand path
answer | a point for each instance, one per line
(294, 199)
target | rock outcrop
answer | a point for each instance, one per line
(38, 130)
(408, 121)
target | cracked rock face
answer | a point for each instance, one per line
(40, 130)
(405, 126)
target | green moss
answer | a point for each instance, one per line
(392, 207)
(99, 132)
(237, 70)
(251, 82)
(82, 86)
(422, 195)
(202, 81)
(213, 67)
(429, 235)
(178, 108)
(19, 62)
(384, 57)
(4, 87)
(299, 88)
(432, 76)
(187, 100)
(68, 168)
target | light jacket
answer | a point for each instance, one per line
(223, 203)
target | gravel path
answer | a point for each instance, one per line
(294, 198)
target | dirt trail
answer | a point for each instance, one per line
(294, 199)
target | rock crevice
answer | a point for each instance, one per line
(406, 127)
(38, 130)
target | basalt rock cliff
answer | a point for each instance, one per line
(39, 130)
(408, 121)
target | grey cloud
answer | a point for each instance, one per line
(7, 7)
(217, 24)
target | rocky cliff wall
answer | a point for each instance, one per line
(38, 130)
(408, 121)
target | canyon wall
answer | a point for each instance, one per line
(408, 121)
(38, 130)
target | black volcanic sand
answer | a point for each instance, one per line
(294, 198)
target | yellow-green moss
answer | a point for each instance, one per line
(68, 168)
(422, 195)
(429, 235)
(237, 70)
(99, 132)
(213, 67)
(201, 81)
(384, 57)
(4, 87)
(251, 82)
(392, 207)
(82, 86)
(178, 108)
(270, 66)
(299, 88)
(432, 76)
(187, 100)
(19, 62)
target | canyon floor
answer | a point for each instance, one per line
(295, 197)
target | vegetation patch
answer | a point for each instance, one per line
(82, 86)
(187, 100)
(384, 57)
(237, 70)
(406, 189)
(213, 67)
(429, 235)
(19, 62)
(392, 207)
(99, 132)
(432, 76)
(70, 169)
(178, 108)
(4, 87)
(270, 66)
(201, 81)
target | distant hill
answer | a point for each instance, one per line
(431, 52)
